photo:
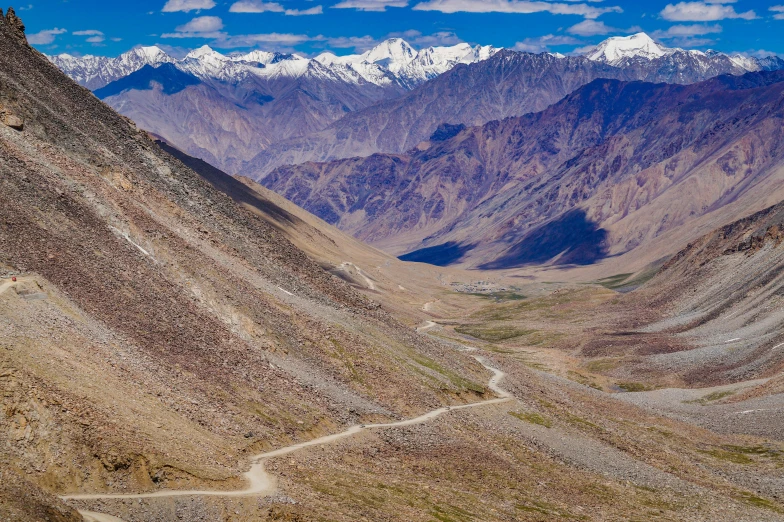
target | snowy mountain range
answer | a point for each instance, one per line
(641, 49)
(393, 61)
(252, 112)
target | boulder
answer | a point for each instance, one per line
(12, 120)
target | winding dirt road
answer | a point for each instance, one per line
(262, 483)
(427, 326)
(344, 267)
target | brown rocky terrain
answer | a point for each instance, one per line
(155, 324)
(167, 323)
(612, 167)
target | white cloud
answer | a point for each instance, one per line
(703, 12)
(95, 39)
(413, 37)
(421, 41)
(685, 31)
(199, 27)
(542, 44)
(44, 37)
(759, 53)
(358, 43)
(779, 10)
(514, 6)
(252, 40)
(258, 6)
(88, 32)
(255, 6)
(370, 5)
(305, 12)
(202, 24)
(173, 6)
(591, 28)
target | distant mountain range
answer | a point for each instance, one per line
(250, 113)
(236, 106)
(392, 61)
(613, 166)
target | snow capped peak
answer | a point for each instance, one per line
(203, 52)
(479, 53)
(264, 57)
(434, 55)
(151, 53)
(327, 58)
(393, 61)
(617, 48)
(393, 53)
(745, 62)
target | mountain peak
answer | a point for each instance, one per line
(203, 51)
(151, 52)
(392, 51)
(617, 48)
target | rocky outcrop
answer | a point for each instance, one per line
(9, 119)
(15, 25)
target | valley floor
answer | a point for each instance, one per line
(568, 436)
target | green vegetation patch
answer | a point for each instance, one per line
(457, 380)
(579, 421)
(711, 397)
(754, 500)
(493, 333)
(632, 387)
(583, 379)
(602, 365)
(532, 417)
(729, 456)
(614, 281)
(620, 282)
(551, 511)
(451, 514)
(341, 354)
(507, 295)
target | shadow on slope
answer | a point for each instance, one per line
(171, 79)
(571, 239)
(439, 255)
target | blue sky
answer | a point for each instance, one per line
(110, 27)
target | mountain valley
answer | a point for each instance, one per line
(612, 168)
(205, 318)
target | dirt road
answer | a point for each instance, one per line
(259, 482)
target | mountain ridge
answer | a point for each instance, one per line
(263, 110)
(611, 148)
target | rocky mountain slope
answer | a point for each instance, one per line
(721, 293)
(164, 326)
(509, 84)
(157, 330)
(612, 167)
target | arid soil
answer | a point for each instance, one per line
(166, 327)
